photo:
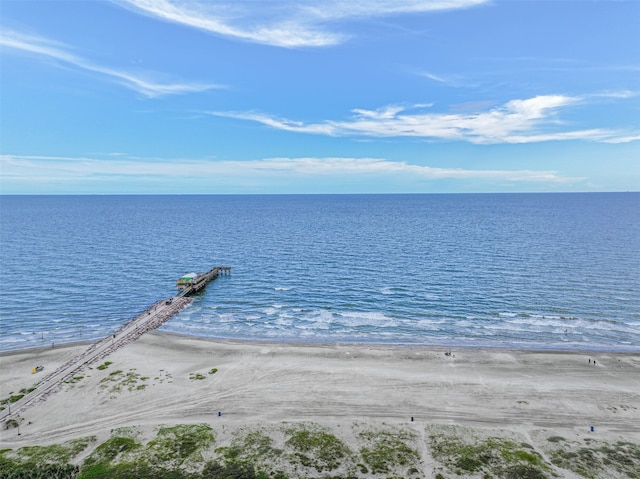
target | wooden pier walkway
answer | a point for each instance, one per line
(153, 317)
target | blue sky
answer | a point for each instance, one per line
(323, 96)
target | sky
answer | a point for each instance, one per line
(319, 96)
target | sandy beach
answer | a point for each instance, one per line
(164, 379)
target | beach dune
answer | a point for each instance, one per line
(170, 379)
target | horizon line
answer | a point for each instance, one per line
(336, 194)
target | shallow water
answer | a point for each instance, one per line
(525, 270)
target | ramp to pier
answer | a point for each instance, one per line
(153, 317)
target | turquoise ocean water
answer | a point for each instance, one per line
(517, 270)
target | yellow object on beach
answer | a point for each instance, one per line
(35, 370)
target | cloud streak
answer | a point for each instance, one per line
(282, 24)
(50, 168)
(517, 121)
(53, 50)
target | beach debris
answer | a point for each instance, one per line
(37, 369)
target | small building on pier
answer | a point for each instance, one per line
(194, 281)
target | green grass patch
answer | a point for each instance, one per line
(196, 376)
(174, 445)
(74, 380)
(135, 470)
(11, 423)
(316, 447)
(108, 451)
(163, 376)
(556, 439)
(126, 431)
(174, 451)
(11, 468)
(104, 365)
(60, 454)
(118, 380)
(386, 450)
(249, 446)
(463, 453)
(598, 458)
(213, 370)
(235, 470)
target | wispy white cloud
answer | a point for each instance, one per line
(283, 24)
(384, 168)
(623, 138)
(451, 80)
(620, 94)
(57, 51)
(340, 9)
(517, 121)
(34, 169)
(382, 113)
(436, 78)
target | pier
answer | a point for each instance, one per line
(194, 282)
(153, 317)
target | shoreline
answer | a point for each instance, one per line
(37, 349)
(533, 348)
(438, 347)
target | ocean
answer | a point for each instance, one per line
(531, 271)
